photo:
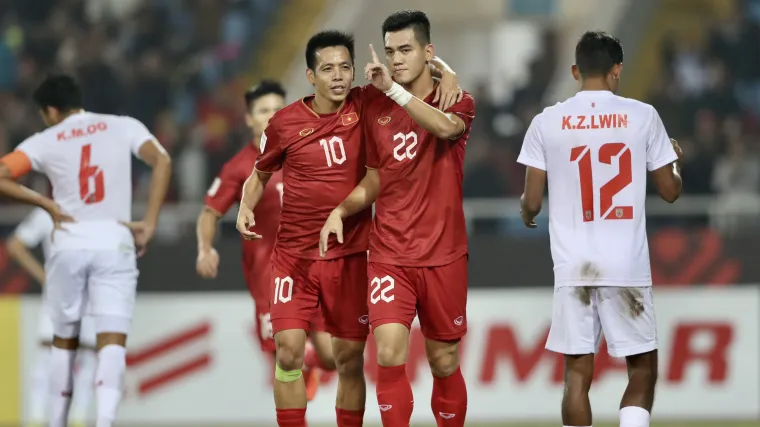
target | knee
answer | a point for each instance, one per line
(289, 354)
(349, 359)
(443, 361)
(390, 354)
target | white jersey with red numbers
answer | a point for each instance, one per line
(596, 148)
(88, 160)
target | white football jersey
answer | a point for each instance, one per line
(36, 230)
(596, 148)
(88, 160)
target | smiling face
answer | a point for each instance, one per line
(333, 74)
(405, 56)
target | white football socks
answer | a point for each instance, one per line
(109, 380)
(633, 416)
(84, 384)
(61, 385)
(38, 387)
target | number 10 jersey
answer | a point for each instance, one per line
(596, 148)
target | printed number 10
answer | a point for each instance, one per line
(582, 155)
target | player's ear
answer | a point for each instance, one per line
(576, 73)
(310, 75)
(429, 52)
(617, 71)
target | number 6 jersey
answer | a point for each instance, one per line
(322, 159)
(596, 148)
(88, 159)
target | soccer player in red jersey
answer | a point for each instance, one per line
(418, 243)
(317, 142)
(261, 102)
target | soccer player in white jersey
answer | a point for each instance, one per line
(35, 230)
(88, 159)
(595, 148)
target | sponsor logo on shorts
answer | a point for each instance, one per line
(446, 415)
(385, 408)
(364, 319)
(459, 320)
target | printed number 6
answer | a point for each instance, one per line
(381, 288)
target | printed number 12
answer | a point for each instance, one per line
(582, 155)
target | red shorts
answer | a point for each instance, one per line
(438, 295)
(265, 332)
(299, 287)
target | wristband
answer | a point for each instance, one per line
(400, 95)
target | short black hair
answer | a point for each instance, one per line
(328, 38)
(415, 20)
(58, 91)
(266, 87)
(596, 53)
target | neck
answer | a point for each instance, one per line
(422, 86)
(256, 142)
(70, 113)
(323, 105)
(595, 84)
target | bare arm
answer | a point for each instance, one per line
(21, 254)
(438, 68)
(205, 228)
(362, 196)
(441, 124)
(533, 195)
(254, 188)
(157, 158)
(668, 181)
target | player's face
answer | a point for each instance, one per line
(333, 74)
(405, 56)
(262, 110)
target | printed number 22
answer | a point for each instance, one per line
(91, 185)
(624, 178)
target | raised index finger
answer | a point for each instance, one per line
(372, 52)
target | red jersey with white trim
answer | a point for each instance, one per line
(226, 190)
(596, 148)
(419, 219)
(322, 158)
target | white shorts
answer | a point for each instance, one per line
(45, 328)
(581, 314)
(103, 282)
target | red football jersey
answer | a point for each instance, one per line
(226, 190)
(322, 158)
(419, 219)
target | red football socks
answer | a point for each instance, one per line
(347, 418)
(449, 400)
(291, 417)
(394, 396)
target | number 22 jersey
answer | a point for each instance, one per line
(322, 159)
(596, 148)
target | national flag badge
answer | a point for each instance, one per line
(349, 119)
(384, 120)
(306, 132)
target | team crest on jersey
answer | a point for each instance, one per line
(589, 215)
(384, 120)
(306, 132)
(349, 119)
(619, 213)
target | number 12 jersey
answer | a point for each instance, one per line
(596, 148)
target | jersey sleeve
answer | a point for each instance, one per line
(34, 229)
(272, 149)
(532, 153)
(660, 150)
(465, 110)
(224, 190)
(137, 135)
(34, 149)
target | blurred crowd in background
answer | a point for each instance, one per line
(179, 66)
